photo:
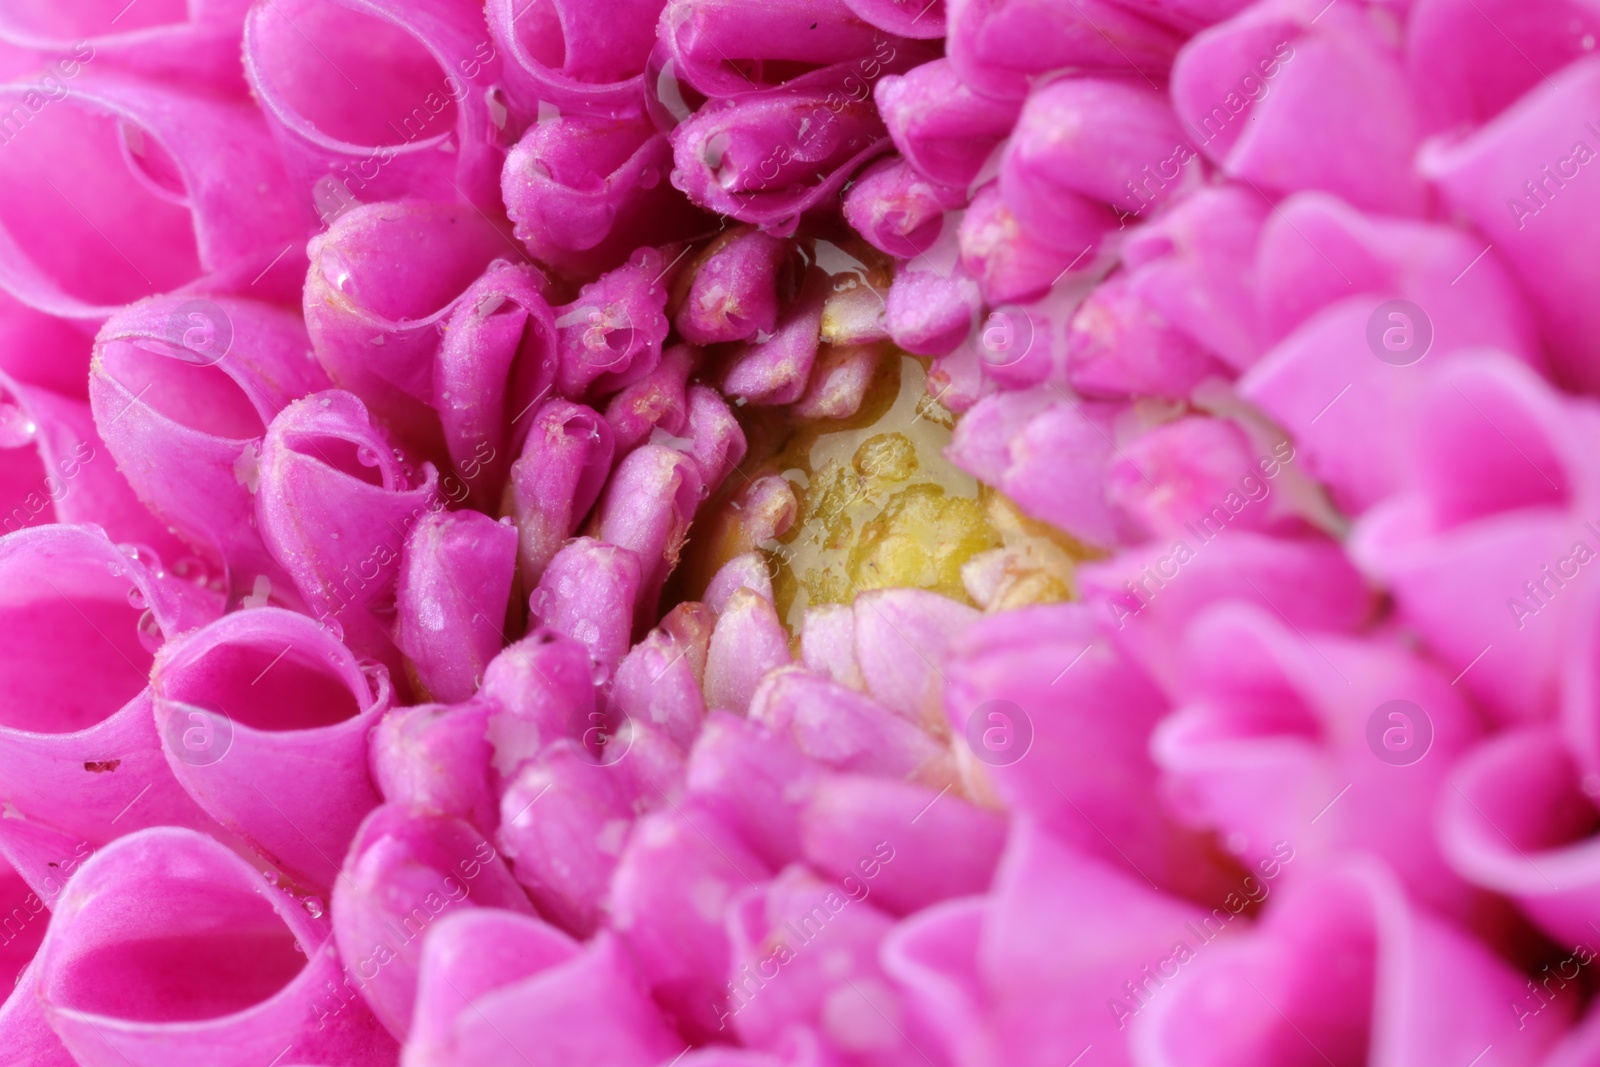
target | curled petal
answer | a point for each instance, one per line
(1261, 991)
(577, 57)
(196, 43)
(718, 45)
(748, 642)
(456, 573)
(213, 964)
(405, 871)
(612, 334)
(999, 47)
(563, 820)
(81, 746)
(503, 990)
(585, 190)
(742, 156)
(774, 370)
(1016, 263)
(903, 845)
(557, 479)
(384, 278)
(264, 718)
(390, 99)
(497, 360)
(184, 389)
(140, 180)
(897, 210)
(335, 503)
(733, 288)
(591, 592)
(1120, 346)
(678, 871)
(717, 440)
(945, 131)
(845, 730)
(539, 690)
(646, 510)
(654, 402)
(435, 757)
(656, 683)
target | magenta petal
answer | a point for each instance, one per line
(563, 821)
(944, 130)
(1119, 346)
(902, 638)
(183, 390)
(908, 18)
(264, 718)
(678, 872)
(540, 690)
(1013, 262)
(1196, 263)
(591, 592)
(198, 44)
(1064, 936)
(752, 781)
(564, 464)
(646, 510)
(174, 950)
(1349, 965)
(1274, 725)
(497, 360)
(405, 871)
(390, 99)
(999, 46)
(435, 758)
(904, 845)
(1149, 598)
(897, 210)
(655, 402)
(774, 369)
(335, 503)
(612, 334)
(656, 683)
(383, 279)
(930, 311)
(1284, 98)
(49, 473)
(586, 190)
(132, 187)
(717, 441)
(23, 1029)
(742, 157)
(847, 731)
(1536, 217)
(748, 641)
(1515, 821)
(712, 43)
(83, 619)
(933, 958)
(456, 573)
(837, 986)
(1085, 765)
(733, 292)
(1500, 490)
(1110, 140)
(748, 571)
(573, 55)
(500, 990)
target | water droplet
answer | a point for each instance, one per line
(367, 456)
(136, 598)
(598, 673)
(149, 630)
(313, 907)
(16, 428)
(1237, 843)
(649, 178)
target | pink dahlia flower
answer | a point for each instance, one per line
(811, 533)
